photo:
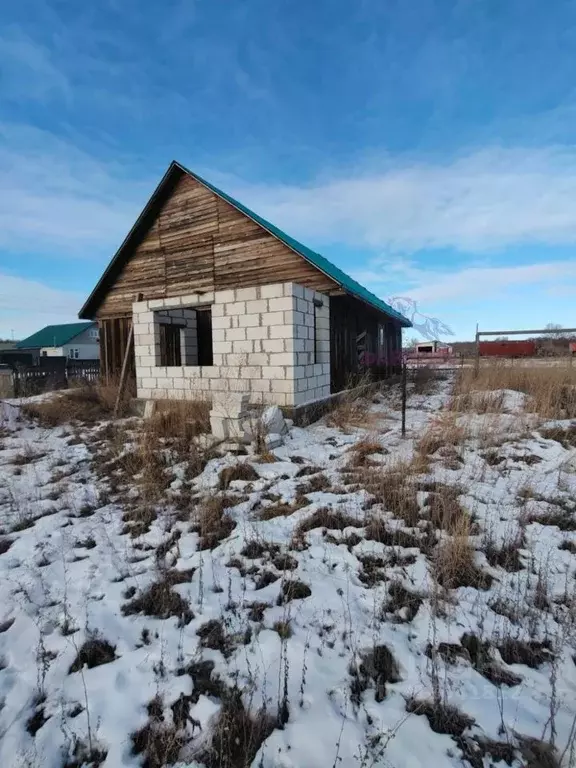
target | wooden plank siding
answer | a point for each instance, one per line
(357, 348)
(200, 242)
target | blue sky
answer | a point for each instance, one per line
(427, 148)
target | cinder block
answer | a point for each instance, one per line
(222, 347)
(280, 331)
(303, 306)
(300, 372)
(258, 306)
(285, 303)
(242, 346)
(309, 320)
(272, 318)
(298, 291)
(273, 291)
(294, 345)
(145, 339)
(245, 321)
(236, 334)
(261, 385)
(282, 358)
(251, 372)
(309, 294)
(139, 307)
(245, 294)
(217, 310)
(224, 297)
(149, 383)
(235, 308)
(259, 358)
(273, 372)
(286, 385)
(317, 369)
(221, 322)
(237, 358)
(301, 332)
(273, 345)
(260, 332)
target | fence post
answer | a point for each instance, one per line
(477, 361)
(404, 399)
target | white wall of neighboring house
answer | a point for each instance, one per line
(84, 347)
(85, 351)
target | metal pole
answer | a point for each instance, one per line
(477, 361)
(404, 399)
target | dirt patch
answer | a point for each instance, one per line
(281, 510)
(293, 590)
(402, 604)
(377, 667)
(241, 471)
(529, 652)
(5, 544)
(257, 549)
(160, 601)
(442, 718)
(93, 653)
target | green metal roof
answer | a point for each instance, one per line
(54, 335)
(347, 283)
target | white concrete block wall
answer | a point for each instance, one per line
(269, 341)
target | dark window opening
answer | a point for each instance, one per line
(204, 334)
(170, 352)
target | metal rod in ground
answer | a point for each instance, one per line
(477, 360)
(403, 399)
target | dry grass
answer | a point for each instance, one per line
(363, 449)
(160, 601)
(183, 419)
(442, 433)
(213, 524)
(281, 509)
(87, 405)
(453, 564)
(552, 389)
(241, 471)
(393, 487)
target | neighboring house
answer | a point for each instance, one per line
(76, 341)
(223, 301)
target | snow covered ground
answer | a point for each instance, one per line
(362, 600)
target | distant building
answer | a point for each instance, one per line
(76, 341)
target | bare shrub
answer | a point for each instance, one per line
(213, 524)
(283, 629)
(237, 736)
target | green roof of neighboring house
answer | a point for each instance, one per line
(54, 335)
(144, 220)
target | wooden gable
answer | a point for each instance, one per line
(199, 241)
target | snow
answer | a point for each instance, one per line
(71, 562)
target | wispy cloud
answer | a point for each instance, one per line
(486, 199)
(56, 196)
(27, 305)
(28, 69)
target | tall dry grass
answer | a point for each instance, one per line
(551, 388)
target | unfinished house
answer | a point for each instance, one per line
(223, 301)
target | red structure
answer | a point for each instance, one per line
(507, 348)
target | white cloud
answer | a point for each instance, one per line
(28, 305)
(487, 199)
(56, 196)
(469, 282)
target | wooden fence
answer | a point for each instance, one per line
(33, 380)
